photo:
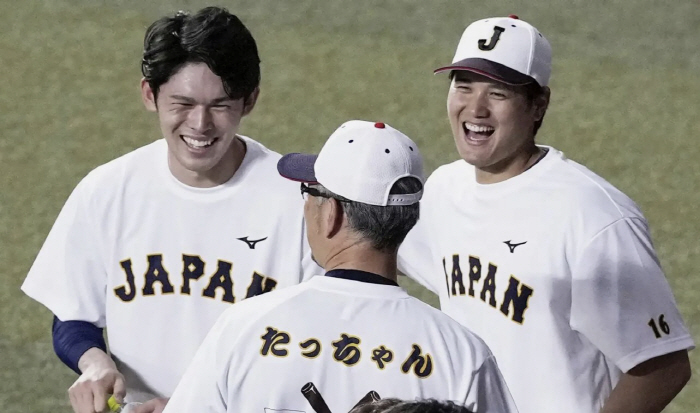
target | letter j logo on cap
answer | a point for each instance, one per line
(494, 39)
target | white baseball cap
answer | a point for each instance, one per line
(361, 161)
(506, 49)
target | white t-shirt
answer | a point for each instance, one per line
(157, 261)
(555, 270)
(338, 340)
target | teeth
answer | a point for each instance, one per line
(197, 143)
(478, 128)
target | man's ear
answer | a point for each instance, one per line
(149, 99)
(542, 103)
(250, 102)
(333, 217)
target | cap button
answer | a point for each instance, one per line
(379, 125)
(513, 16)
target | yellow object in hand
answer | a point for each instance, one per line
(113, 405)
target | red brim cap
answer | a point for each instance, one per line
(298, 167)
(493, 70)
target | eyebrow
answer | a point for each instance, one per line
(190, 100)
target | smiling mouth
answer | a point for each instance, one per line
(477, 132)
(198, 143)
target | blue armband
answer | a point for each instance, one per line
(71, 339)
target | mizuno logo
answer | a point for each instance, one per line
(512, 246)
(251, 243)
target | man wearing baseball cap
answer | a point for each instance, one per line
(549, 263)
(352, 336)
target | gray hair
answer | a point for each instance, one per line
(385, 227)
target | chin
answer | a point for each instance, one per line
(199, 166)
(478, 156)
(469, 156)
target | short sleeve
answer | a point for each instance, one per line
(68, 275)
(488, 392)
(621, 300)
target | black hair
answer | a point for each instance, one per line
(414, 406)
(385, 227)
(532, 92)
(212, 36)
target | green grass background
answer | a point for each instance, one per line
(625, 103)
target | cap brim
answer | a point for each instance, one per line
(298, 167)
(493, 70)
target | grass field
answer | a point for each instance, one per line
(624, 103)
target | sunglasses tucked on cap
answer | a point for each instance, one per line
(360, 161)
(505, 49)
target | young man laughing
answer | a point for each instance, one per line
(550, 264)
(156, 244)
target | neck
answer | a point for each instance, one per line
(363, 257)
(518, 163)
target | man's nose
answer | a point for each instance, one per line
(200, 118)
(478, 105)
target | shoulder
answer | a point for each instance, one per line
(261, 152)
(112, 175)
(451, 177)
(453, 173)
(138, 156)
(585, 192)
(260, 169)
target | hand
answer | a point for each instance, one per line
(100, 378)
(152, 406)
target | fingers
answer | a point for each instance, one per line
(99, 398)
(90, 392)
(81, 398)
(73, 401)
(102, 388)
(119, 389)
